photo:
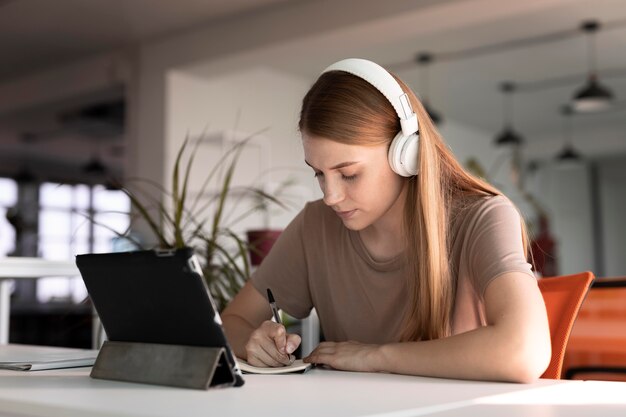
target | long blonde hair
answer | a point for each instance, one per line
(347, 109)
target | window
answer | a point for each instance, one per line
(65, 230)
(8, 198)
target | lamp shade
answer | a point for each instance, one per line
(569, 154)
(592, 97)
(24, 176)
(508, 137)
(94, 167)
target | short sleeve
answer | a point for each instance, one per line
(284, 270)
(495, 242)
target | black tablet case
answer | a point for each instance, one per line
(154, 297)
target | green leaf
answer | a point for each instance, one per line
(147, 217)
(203, 225)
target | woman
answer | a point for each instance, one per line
(413, 265)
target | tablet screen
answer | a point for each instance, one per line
(153, 297)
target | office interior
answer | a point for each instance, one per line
(98, 95)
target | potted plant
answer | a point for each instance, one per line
(261, 240)
(186, 221)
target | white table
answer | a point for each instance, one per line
(572, 399)
(70, 392)
(26, 268)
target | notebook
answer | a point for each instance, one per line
(297, 366)
(37, 358)
(157, 297)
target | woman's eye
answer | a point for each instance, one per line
(319, 175)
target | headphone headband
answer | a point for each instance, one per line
(386, 84)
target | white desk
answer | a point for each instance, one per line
(572, 399)
(71, 392)
(26, 268)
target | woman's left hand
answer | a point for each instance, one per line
(346, 356)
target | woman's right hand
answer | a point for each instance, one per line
(270, 345)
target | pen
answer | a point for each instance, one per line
(270, 297)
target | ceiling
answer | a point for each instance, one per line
(547, 74)
(466, 88)
(36, 34)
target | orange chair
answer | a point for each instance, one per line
(597, 344)
(563, 296)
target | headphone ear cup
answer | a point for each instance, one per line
(395, 153)
(403, 153)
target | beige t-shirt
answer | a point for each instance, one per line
(318, 262)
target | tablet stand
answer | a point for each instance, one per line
(196, 367)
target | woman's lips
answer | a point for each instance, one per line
(346, 214)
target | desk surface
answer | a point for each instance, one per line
(70, 392)
(23, 267)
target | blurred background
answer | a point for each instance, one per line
(95, 94)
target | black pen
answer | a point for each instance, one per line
(270, 297)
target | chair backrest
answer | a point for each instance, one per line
(563, 296)
(597, 346)
(606, 300)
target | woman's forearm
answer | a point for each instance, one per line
(515, 345)
(238, 332)
(486, 353)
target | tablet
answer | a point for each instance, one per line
(154, 296)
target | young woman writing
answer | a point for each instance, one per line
(413, 265)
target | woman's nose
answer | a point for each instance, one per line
(333, 193)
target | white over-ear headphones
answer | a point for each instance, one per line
(404, 148)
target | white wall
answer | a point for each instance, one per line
(246, 102)
(565, 191)
(467, 142)
(612, 179)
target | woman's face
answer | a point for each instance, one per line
(356, 180)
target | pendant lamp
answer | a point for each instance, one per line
(593, 96)
(508, 136)
(24, 174)
(424, 59)
(568, 154)
(94, 167)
